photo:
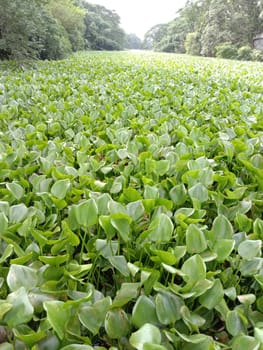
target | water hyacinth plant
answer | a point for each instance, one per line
(131, 203)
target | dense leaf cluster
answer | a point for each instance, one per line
(201, 25)
(52, 29)
(131, 204)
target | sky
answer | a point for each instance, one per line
(138, 16)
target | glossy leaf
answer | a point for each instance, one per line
(195, 240)
(60, 188)
(146, 334)
(92, 317)
(21, 276)
(160, 229)
(117, 323)
(144, 311)
(87, 213)
(168, 307)
(21, 311)
(194, 268)
(58, 315)
(222, 228)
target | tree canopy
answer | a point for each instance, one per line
(203, 25)
(51, 29)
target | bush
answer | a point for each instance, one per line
(226, 50)
(192, 44)
(244, 53)
(257, 55)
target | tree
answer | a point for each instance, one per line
(154, 36)
(71, 17)
(22, 28)
(133, 41)
(203, 25)
(192, 44)
(102, 28)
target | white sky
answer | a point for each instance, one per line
(138, 16)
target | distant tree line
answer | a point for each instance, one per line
(223, 28)
(52, 29)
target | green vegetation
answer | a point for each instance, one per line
(131, 196)
(202, 27)
(52, 29)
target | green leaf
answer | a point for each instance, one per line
(28, 336)
(92, 317)
(21, 276)
(251, 267)
(58, 315)
(160, 229)
(191, 319)
(120, 263)
(105, 223)
(21, 311)
(7, 253)
(250, 249)
(193, 339)
(16, 190)
(234, 323)
(258, 334)
(223, 249)
(144, 311)
(106, 248)
(168, 307)
(60, 188)
(178, 194)
(116, 323)
(121, 223)
(131, 195)
(4, 308)
(213, 296)
(199, 192)
(6, 346)
(126, 293)
(54, 260)
(222, 228)
(3, 223)
(87, 213)
(146, 334)
(194, 268)
(244, 342)
(195, 240)
(72, 238)
(248, 299)
(165, 257)
(135, 210)
(17, 213)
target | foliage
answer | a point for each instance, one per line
(71, 17)
(245, 53)
(52, 29)
(35, 29)
(102, 29)
(192, 44)
(131, 203)
(133, 42)
(19, 36)
(154, 36)
(227, 50)
(214, 23)
(257, 55)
